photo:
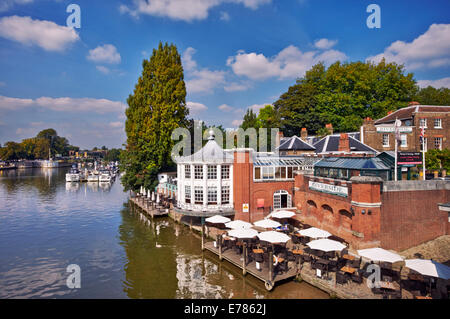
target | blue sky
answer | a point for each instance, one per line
(236, 54)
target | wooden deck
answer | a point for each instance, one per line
(149, 208)
(250, 268)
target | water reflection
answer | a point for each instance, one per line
(47, 224)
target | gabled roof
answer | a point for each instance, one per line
(407, 112)
(330, 144)
(295, 143)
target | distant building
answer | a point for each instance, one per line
(379, 134)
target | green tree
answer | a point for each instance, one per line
(433, 96)
(156, 107)
(113, 155)
(343, 95)
(250, 120)
(12, 151)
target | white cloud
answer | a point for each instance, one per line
(45, 34)
(195, 108)
(5, 5)
(236, 122)
(324, 44)
(431, 49)
(225, 108)
(103, 69)
(235, 87)
(63, 104)
(444, 82)
(116, 124)
(256, 107)
(200, 80)
(104, 54)
(185, 10)
(224, 16)
(288, 63)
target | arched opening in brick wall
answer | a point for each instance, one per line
(345, 219)
(311, 208)
(328, 214)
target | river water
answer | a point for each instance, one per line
(47, 224)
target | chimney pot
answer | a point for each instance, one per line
(304, 134)
(344, 143)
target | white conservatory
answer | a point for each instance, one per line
(205, 181)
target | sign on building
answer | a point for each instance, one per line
(409, 158)
(245, 208)
(330, 189)
(391, 129)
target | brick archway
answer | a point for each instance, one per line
(327, 214)
(345, 219)
(311, 208)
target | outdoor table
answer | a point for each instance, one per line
(348, 269)
(348, 257)
(422, 297)
(228, 238)
(297, 252)
(258, 251)
(415, 277)
(387, 285)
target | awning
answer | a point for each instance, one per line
(380, 254)
(274, 237)
(314, 232)
(428, 267)
(326, 245)
(267, 223)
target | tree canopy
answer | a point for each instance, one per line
(156, 107)
(343, 95)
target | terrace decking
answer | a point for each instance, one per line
(250, 267)
(148, 207)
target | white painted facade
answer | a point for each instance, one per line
(205, 179)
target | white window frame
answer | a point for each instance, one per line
(225, 194)
(187, 194)
(439, 123)
(212, 195)
(198, 195)
(198, 171)
(384, 138)
(225, 171)
(187, 171)
(403, 140)
(423, 123)
(277, 199)
(440, 143)
(212, 172)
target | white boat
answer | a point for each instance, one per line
(92, 178)
(104, 177)
(73, 175)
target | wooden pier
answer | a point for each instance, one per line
(267, 273)
(150, 208)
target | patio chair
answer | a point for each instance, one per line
(332, 266)
(330, 254)
(356, 277)
(340, 278)
(283, 267)
(344, 252)
(356, 263)
(259, 258)
(306, 258)
(290, 256)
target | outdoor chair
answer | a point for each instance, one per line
(340, 278)
(290, 256)
(357, 278)
(332, 266)
(330, 254)
(306, 258)
(356, 263)
(283, 267)
(344, 252)
(259, 258)
(387, 278)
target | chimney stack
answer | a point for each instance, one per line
(280, 135)
(304, 134)
(329, 127)
(344, 143)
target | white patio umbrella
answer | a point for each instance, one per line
(282, 214)
(217, 219)
(379, 254)
(429, 268)
(274, 237)
(140, 191)
(238, 224)
(326, 245)
(267, 223)
(153, 196)
(157, 198)
(148, 193)
(243, 233)
(314, 232)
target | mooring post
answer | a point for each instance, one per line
(270, 265)
(244, 263)
(219, 240)
(203, 233)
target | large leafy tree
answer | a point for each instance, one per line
(433, 96)
(156, 107)
(343, 95)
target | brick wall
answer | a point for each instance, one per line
(409, 218)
